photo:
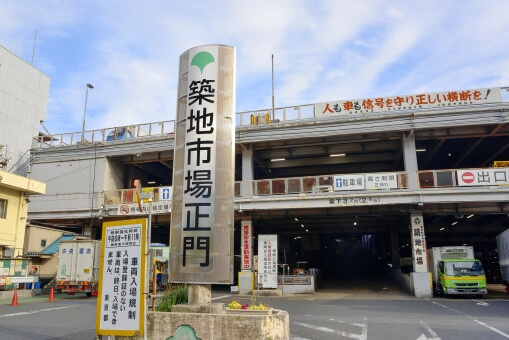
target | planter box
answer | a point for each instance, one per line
(248, 311)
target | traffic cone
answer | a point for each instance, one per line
(51, 295)
(15, 299)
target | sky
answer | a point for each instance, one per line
(323, 51)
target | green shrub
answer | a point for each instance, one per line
(174, 294)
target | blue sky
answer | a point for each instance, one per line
(323, 51)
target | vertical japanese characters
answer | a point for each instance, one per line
(267, 261)
(246, 244)
(199, 162)
(201, 233)
(418, 244)
(120, 303)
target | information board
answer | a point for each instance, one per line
(121, 302)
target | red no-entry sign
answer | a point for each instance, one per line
(468, 177)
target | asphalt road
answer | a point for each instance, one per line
(379, 311)
(68, 317)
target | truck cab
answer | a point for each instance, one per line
(455, 271)
(461, 276)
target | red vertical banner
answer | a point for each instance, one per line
(246, 245)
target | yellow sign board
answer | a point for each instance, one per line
(121, 301)
(146, 193)
(501, 164)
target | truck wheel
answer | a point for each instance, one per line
(440, 290)
(89, 294)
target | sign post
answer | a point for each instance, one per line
(202, 218)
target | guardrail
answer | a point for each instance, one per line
(107, 135)
(258, 118)
(425, 179)
(293, 280)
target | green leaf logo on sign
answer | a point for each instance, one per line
(202, 59)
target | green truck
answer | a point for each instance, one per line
(455, 271)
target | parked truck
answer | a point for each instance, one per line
(455, 271)
(78, 267)
(503, 257)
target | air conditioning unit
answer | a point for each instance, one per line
(8, 251)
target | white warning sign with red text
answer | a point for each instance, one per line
(476, 177)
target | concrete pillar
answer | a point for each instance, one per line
(410, 161)
(199, 294)
(246, 186)
(420, 284)
(395, 258)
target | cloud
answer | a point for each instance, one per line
(323, 50)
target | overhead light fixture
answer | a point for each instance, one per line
(296, 219)
(307, 230)
(470, 216)
(338, 155)
(277, 159)
(420, 150)
(302, 225)
(453, 223)
(355, 223)
(151, 182)
(442, 228)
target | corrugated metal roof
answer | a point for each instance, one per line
(53, 248)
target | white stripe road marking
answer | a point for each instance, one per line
(481, 303)
(362, 336)
(430, 331)
(34, 311)
(479, 322)
(220, 297)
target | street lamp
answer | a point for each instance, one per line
(89, 86)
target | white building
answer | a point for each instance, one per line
(23, 100)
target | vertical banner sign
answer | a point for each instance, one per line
(420, 260)
(267, 261)
(201, 233)
(121, 304)
(246, 244)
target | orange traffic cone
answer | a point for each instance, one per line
(15, 299)
(51, 295)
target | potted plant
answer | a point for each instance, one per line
(235, 307)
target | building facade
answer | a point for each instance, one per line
(14, 198)
(23, 100)
(392, 175)
(24, 94)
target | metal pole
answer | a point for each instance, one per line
(85, 113)
(149, 227)
(33, 50)
(273, 113)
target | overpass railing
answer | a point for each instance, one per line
(106, 135)
(403, 180)
(258, 118)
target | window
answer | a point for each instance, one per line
(3, 208)
(43, 243)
